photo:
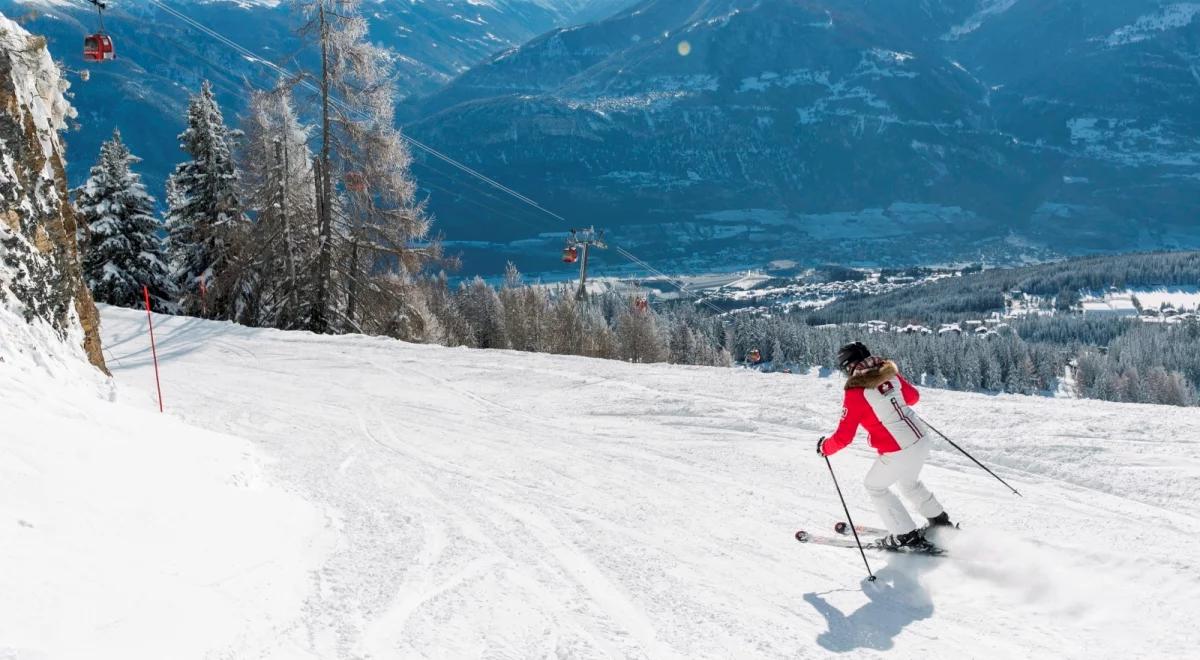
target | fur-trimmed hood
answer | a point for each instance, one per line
(873, 376)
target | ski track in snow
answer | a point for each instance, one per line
(503, 504)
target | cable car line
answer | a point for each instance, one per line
(507, 213)
(250, 55)
(253, 57)
(683, 287)
(503, 211)
(219, 82)
(347, 108)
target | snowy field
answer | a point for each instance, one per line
(422, 502)
(1182, 298)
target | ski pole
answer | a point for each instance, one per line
(964, 453)
(870, 573)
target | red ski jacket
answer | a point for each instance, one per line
(879, 399)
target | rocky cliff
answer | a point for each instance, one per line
(40, 277)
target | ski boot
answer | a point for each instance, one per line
(940, 520)
(913, 541)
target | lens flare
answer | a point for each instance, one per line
(684, 48)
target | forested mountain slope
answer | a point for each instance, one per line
(730, 132)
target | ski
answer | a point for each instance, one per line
(844, 542)
(842, 527)
(836, 541)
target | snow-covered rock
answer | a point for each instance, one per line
(40, 277)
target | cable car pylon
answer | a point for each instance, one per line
(582, 240)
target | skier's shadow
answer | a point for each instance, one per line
(897, 600)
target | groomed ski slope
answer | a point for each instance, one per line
(129, 534)
(503, 504)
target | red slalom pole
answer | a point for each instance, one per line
(153, 349)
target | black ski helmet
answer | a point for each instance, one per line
(850, 354)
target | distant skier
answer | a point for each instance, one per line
(880, 399)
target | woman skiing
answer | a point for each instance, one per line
(880, 399)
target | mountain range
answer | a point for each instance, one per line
(737, 132)
(707, 134)
(161, 59)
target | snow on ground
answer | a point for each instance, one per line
(128, 534)
(499, 504)
(749, 281)
(987, 8)
(1181, 298)
(1169, 17)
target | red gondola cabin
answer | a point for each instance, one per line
(570, 255)
(98, 48)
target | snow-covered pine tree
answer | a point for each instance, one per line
(639, 339)
(1026, 376)
(450, 328)
(566, 332)
(1180, 391)
(206, 227)
(778, 356)
(480, 306)
(524, 310)
(375, 235)
(122, 248)
(681, 347)
(967, 369)
(1130, 387)
(280, 192)
(600, 340)
(1106, 385)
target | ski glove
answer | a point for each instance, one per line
(821, 446)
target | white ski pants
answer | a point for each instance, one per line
(903, 469)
